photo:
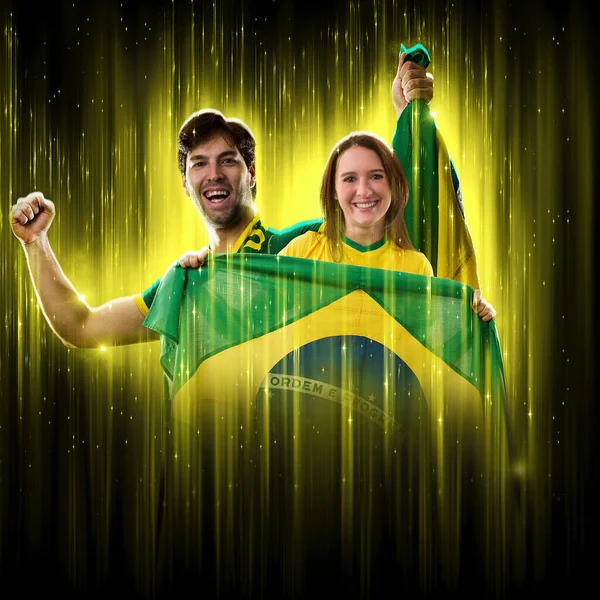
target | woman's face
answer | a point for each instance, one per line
(363, 191)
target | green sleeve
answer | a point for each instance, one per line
(280, 239)
(149, 294)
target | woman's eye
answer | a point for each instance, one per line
(349, 179)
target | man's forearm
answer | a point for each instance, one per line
(61, 304)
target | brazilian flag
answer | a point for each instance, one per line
(435, 215)
(246, 325)
(332, 415)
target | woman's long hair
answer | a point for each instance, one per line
(395, 225)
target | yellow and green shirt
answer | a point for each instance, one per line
(256, 239)
(381, 255)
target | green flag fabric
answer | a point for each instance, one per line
(381, 344)
(238, 299)
(435, 216)
(331, 415)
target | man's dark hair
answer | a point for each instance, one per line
(204, 124)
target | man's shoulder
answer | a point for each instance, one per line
(268, 240)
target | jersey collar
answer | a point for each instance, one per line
(244, 235)
(361, 248)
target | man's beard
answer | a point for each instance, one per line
(224, 220)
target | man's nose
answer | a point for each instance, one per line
(214, 171)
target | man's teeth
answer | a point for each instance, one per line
(216, 195)
(365, 204)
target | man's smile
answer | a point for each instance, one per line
(216, 195)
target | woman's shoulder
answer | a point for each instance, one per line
(415, 261)
(304, 245)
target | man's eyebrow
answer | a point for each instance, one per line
(227, 153)
(354, 172)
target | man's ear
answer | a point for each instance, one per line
(252, 171)
(184, 183)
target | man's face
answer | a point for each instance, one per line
(218, 182)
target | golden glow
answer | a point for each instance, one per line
(108, 159)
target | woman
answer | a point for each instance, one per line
(363, 195)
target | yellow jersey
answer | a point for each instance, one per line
(381, 255)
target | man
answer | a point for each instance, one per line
(217, 164)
